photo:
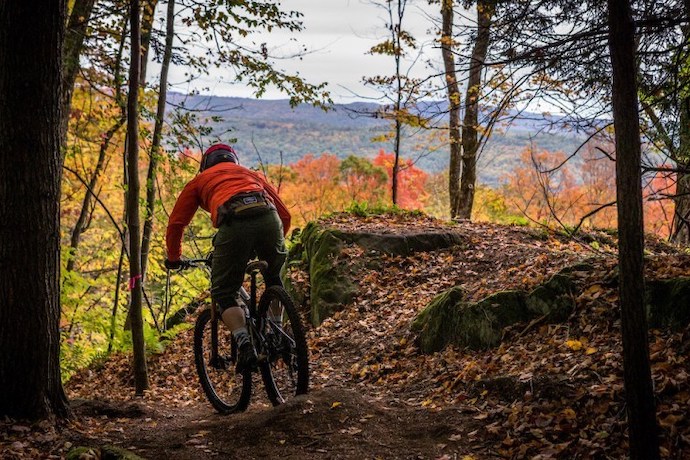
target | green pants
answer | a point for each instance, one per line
(237, 242)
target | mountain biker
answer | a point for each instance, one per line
(251, 220)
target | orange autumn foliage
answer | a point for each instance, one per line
(598, 173)
(541, 190)
(554, 197)
(311, 188)
(411, 180)
(658, 207)
(318, 185)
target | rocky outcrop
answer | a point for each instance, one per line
(333, 278)
(451, 319)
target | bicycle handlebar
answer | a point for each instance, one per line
(193, 263)
(255, 265)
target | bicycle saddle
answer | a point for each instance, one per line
(256, 265)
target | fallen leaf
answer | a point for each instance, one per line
(574, 345)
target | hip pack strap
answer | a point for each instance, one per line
(245, 204)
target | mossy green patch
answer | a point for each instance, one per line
(331, 287)
(438, 320)
(483, 322)
(553, 299)
(477, 325)
(103, 453)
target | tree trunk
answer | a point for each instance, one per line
(396, 163)
(680, 232)
(30, 172)
(74, 42)
(396, 27)
(453, 92)
(470, 140)
(156, 142)
(642, 433)
(148, 14)
(681, 214)
(133, 188)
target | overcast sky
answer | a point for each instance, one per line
(339, 33)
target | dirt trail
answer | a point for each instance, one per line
(330, 423)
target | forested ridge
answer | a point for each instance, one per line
(271, 131)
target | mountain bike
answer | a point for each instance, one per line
(277, 334)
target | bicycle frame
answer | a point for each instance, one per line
(249, 300)
(282, 357)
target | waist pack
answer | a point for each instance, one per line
(246, 204)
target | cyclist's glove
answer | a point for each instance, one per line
(173, 264)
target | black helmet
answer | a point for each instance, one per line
(218, 153)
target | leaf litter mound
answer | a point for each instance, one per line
(548, 391)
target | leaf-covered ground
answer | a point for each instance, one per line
(549, 391)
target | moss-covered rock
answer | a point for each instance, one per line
(578, 267)
(479, 325)
(436, 324)
(332, 279)
(554, 299)
(668, 303)
(117, 453)
(331, 287)
(483, 322)
(101, 453)
(82, 452)
(450, 319)
(404, 244)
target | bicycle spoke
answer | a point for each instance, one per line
(215, 360)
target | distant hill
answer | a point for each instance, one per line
(272, 128)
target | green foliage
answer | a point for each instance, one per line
(365, 209)
(73, 356)
(170, 334)
(490, 205)
(151, 339)
(362, 166)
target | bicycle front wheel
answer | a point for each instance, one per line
(285, 371)
(215, 355)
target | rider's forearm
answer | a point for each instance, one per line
(173, 240)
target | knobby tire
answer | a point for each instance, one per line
(286, 371)
(227, 391)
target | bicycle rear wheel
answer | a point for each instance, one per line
(226, 390)
(285, 371)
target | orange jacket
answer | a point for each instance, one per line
(210, 189)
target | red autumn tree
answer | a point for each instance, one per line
(598, 174)
(657, 203)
